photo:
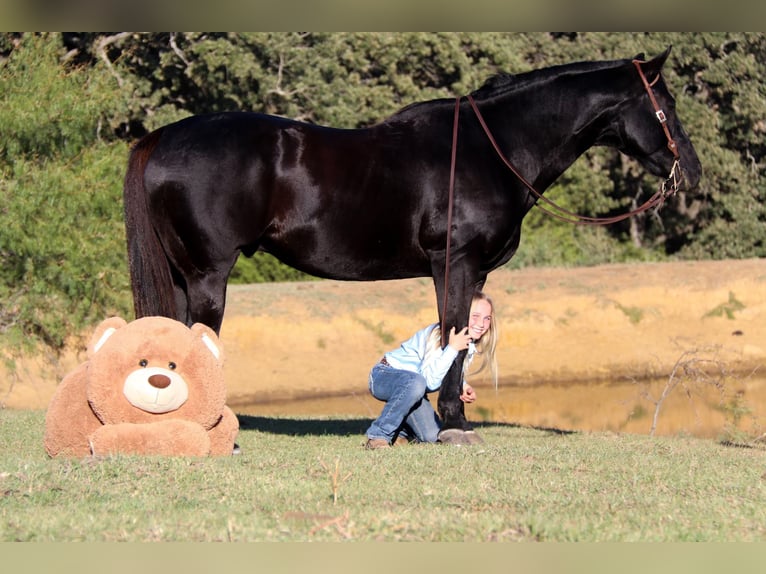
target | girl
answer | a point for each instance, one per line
(404, 376)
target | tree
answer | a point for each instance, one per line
(63, 264)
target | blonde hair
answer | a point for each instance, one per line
(485, 347)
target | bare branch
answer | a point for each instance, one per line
(101, 46)
(689, 370)
(178, 51)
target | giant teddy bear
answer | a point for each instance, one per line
(152, 386)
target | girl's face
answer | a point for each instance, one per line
(480, 319)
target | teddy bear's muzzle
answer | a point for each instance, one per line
(155, 390)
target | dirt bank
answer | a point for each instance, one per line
(286, 341)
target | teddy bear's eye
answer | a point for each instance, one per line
(172, 366)
(143, 362)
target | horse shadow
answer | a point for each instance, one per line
(303, 427)
(346, 427)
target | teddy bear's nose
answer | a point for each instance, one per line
(159, 381)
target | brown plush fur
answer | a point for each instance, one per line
(153, 386)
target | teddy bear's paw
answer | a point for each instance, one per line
(164, 438)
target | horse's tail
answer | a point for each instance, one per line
(150, 276)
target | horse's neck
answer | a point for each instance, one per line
(545, 140)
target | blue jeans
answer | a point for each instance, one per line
(407, 410)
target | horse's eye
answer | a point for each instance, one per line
(143, 362)
(172, 366)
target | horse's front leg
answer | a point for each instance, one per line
(455, 427)
(451, 408)
(464, 280)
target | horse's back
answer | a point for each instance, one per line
(340, 203)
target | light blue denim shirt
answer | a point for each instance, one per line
(411, 356)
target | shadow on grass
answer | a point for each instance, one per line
(303, 427)
(345, 427)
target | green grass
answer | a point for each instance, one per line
(523, 484)
(378, 330)
(729, 308)
(635, 314)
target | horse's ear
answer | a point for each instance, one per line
(653, 67)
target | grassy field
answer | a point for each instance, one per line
(308, 479)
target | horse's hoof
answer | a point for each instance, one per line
(473, 437)
(458, 437)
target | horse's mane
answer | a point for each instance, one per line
(504, 83)
(500, 84)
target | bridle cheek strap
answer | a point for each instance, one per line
(657, 109)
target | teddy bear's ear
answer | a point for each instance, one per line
(210, 339)
(105, 330)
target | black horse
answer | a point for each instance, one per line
(373, 203)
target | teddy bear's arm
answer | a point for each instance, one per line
(168, 438)
(70, 421)
(223, 434)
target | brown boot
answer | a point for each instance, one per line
(401, 441)
(376, 443)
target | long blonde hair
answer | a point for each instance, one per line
(485, 347)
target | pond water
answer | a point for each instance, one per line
(693, 408)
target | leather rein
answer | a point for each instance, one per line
(667, 188)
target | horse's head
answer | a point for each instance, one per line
(649, 130)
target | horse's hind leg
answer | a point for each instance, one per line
(181, 299)
(200, 296)
(200, 261)
(207, 299)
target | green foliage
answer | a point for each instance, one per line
(63, 264)
(62, 239)
(44, 109)
(264, 268)
(548, 241)
(71, 103)
(53, 106)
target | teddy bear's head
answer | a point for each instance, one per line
(154, 368)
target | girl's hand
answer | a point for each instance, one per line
(459, 341)
(469, 395)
